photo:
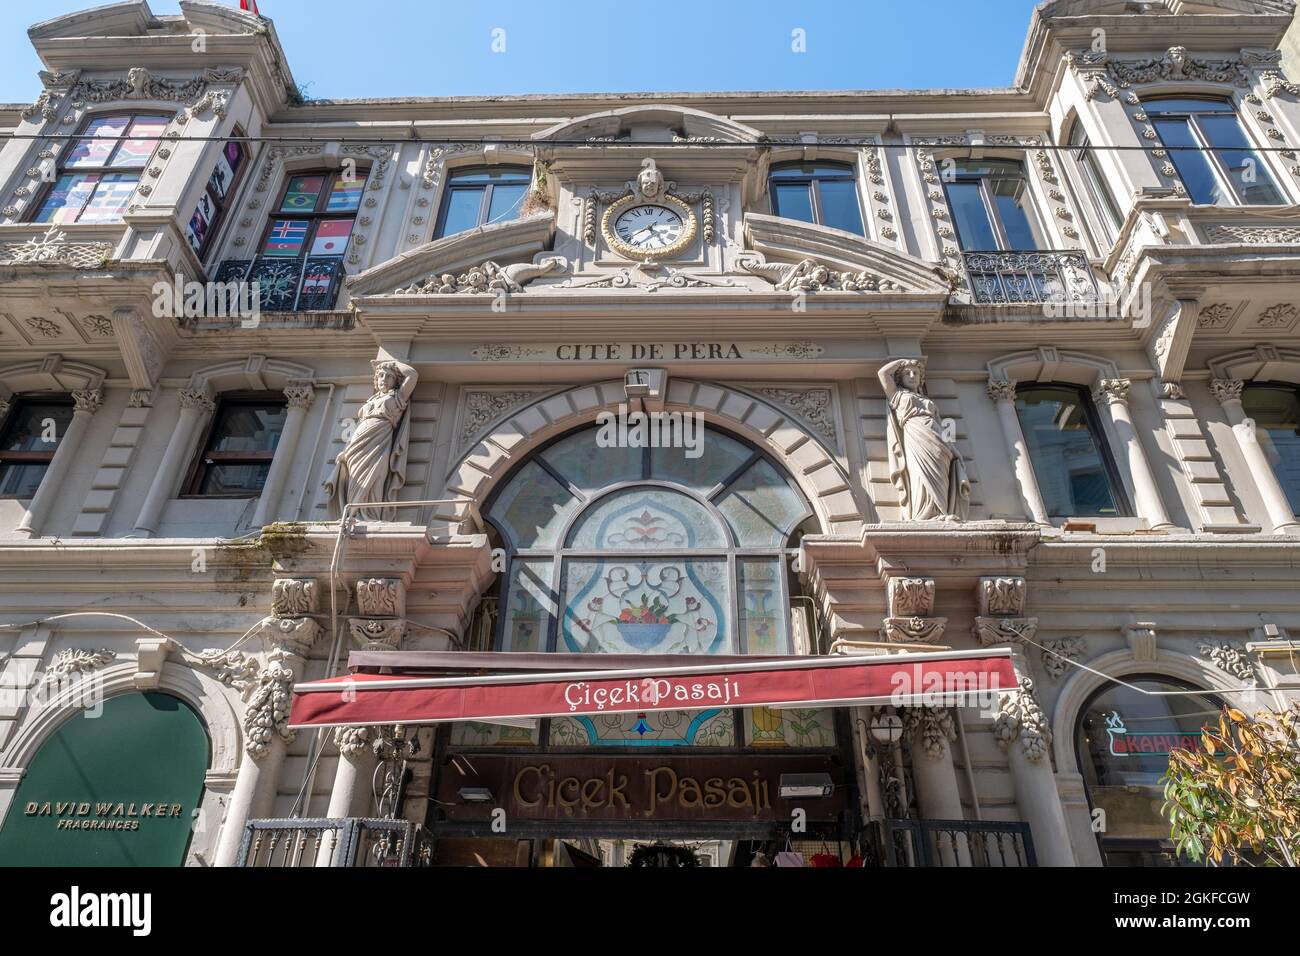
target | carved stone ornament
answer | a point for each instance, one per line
(197, 398)
(293, 597)
(72, 662)
(1227, 390)
(52, 247)
(140, 84)
(300, 394)
(487, 278)
(1002, 596)
(484, 407)
(232, 668)
(809, 275)
(911, 597)
(1230, 658)
(378, 634)
(813, 406)
(990, 631)
(933, 727)
(353, 742)
(381, 597)
(87, 400)
(1253, 235)
(1102, 74)
(290, 636)
(1001, 390)
(1112, 390)
(267, 714)
(912, 630)
(925, 465)
(372, 466)
(1020, 717)
(1059, 651)
(1141, 639)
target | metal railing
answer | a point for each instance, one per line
(346, 842)
(945, 843)
(1015, 278)
(288, 284)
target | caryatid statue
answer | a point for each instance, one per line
(372, 466)
(924, 466)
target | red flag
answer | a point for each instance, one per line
(250, 6)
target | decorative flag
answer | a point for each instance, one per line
(286, 237)
(110, 199)
(346, 195)
(302, 193)
(250, 6)
(331, 237)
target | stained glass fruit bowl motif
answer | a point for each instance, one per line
(645, 625)
(643, 636)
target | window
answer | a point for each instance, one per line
(1275, 410)
(239, 447)
(1211, 152)
(98, 171)
(217, 194)
(821, 193)
(992, 208)
(1067, 448)
(29, 437)
(1123, 741)
(1103, 202)
(479, 195)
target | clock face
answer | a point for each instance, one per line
(649, 227)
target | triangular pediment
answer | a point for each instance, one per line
(504, 243)
(789, 241)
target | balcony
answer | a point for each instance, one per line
(343, 842)
(309, 284)
(950, 843)
(1030, 278)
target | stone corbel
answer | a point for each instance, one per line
(911, 604)
(294, 597)
(1021, 718)
(151, 654)
(381, 597)
(1001, 620)
(289, 637)
(378, 634)
(143, 351)
(1172, 340)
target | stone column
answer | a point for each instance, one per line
(353, 776)
(1280, 515)
(266, 731)
(196, 406)
(935, 777)
(300, 396)
(1112, 393)
(1023, 732)
(86, 403)
(1003, 393)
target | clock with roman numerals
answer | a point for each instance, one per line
(649, 229)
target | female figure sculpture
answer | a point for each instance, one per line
(924, 466)
(372, 466)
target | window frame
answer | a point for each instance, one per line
(1035, 221)
(315, 217)
(1294, 389)
(813, 181)
(59, 168)
(1151, 106)
(485, 198)
(224, 207)
(1096, 427)
(204, 458)
(1105, 208)
(16, 404)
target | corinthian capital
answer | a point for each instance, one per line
(1227, 389)
(1020, 717)
(87, 400)
(300, 394)
(1001, 390)
(197, 398)
(1112, 391)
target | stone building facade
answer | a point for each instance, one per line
(976, 369)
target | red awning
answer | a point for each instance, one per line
(942, 679)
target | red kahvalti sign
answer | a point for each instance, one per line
(364, 699)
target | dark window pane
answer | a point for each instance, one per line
(227, 478)
(1101, 194)
(1011, 194)
(1275, 410)
(1065, 453)
(506, 201)
(33, 423)
(1193, 167)
(812, 171)
(20, 480)
(248, 428)
(840, 205)
(793, 201)
(974, 230)
(1250, 177)
(461, 210)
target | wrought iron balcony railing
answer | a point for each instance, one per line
(1015, 278)
(349, 841)
(288, 285)
(950, 843)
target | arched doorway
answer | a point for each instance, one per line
(116, 785)
(1123, 738)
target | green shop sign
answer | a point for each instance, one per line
(116, 788)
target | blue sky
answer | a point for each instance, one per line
(439, 48)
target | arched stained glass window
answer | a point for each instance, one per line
(618, 550)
